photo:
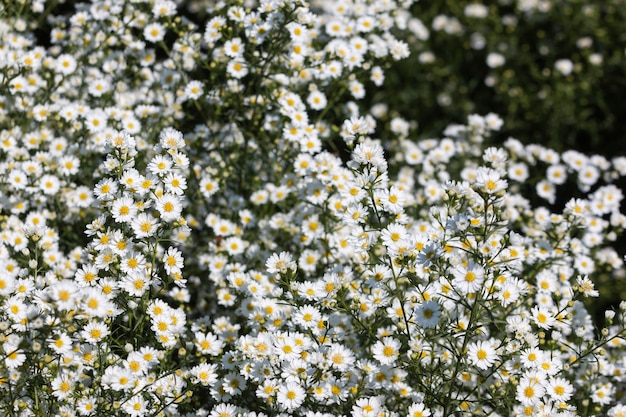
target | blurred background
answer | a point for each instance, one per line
(555, 71)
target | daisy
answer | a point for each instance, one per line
(317, 100)
(154, 32)
(136, 406)
(530, 389)
(286, 348)
(482, 354)
(7, 280)
(280, 263)
(61, 343)
(135, 284)
(377, 76)
(95, 303)
(15, 308)
(518, 172)
(136, 363)
(164, 8)
(509, 293)
(290, 396)
(212, 31)
(105, 189)
(208, 186)
(468, 279)
(94, 331)
(355, 214)
(19, 84)
(171, 139)
(97, 88)
(488, 180)
(208, 343)
(160, 165)
(69, 165)
(62, 386)
(365, 24)
(131, 179)
(586, 286)
(418, 410)
(428, 254)
(584, 264)
(367, 407)
(121, 140)
(603, 393)
(18, 179)
(394, 234)
(357, 89)
(173, 260)
(234, 245)
(543, 317)
(259, 197)
(32, 168)
(564, 66)
(340, 357)
(234, 48)
(175, 183)
(237, 69)
(270, 385)
(556, 174)
(13, 356)
(123, 210)
(588, 176)
(224, 410)
(86, 406)
(427, 314)
(65, 64)
(309, 259)
(386, 351)
(49, 184)
(169, 207)
(546, 282)
(131, 125)
(617, 411)
(307, 316)
(144, 225)
(399, 49)
(393, 200)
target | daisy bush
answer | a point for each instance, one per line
(203, 215)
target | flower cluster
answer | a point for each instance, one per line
(198, 218)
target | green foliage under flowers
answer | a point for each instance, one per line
(555, 70)
(233, 210)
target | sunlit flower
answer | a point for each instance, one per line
(154, 32)
(94, 331)
(530, 389)
(280, 263)
(290, 396)
(468, 279)
(482, 354)
(169, 207)
(386, 351)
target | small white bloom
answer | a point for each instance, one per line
(564, 66)
(482, 354)
(386, 351)
(280, 263)
(495, 60)
(154, 32)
